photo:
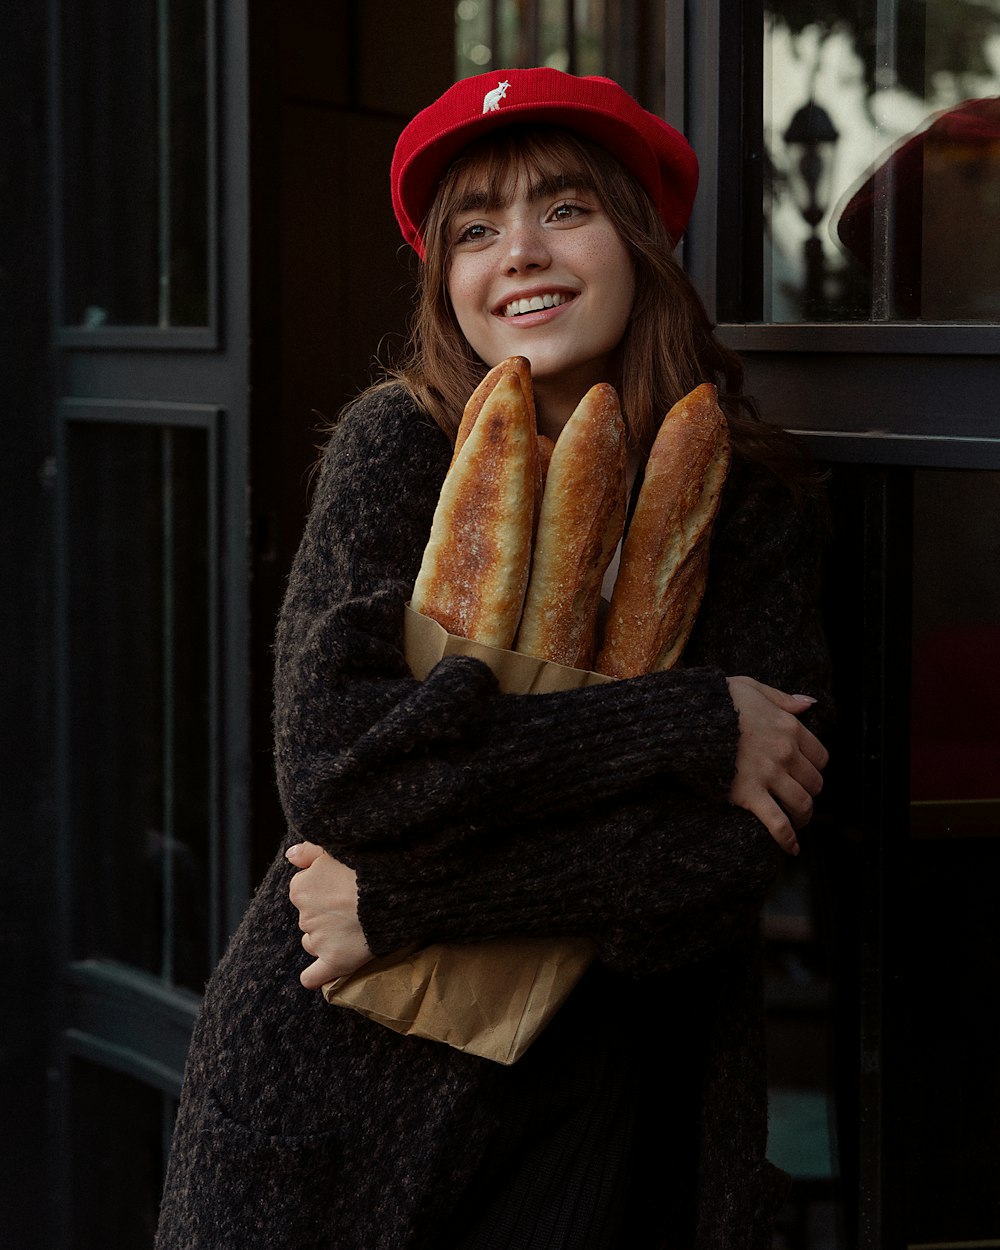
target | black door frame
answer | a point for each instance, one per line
(114, 1016)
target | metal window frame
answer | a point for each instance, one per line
(131, 337)
(149, 415)
(890, 392)
(115, 1017)
(888, 397)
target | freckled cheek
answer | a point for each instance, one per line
(466, 295)
(468, 306)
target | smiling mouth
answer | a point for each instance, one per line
(536, 304)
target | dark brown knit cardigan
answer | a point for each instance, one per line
(470, 814)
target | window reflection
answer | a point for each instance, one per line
(912, 93)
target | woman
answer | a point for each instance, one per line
(646, 814)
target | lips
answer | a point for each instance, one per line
(534, 303)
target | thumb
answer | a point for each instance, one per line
(796, 704)
(302, 854)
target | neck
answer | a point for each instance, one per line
(557, 393)
(556, 399)
(552, 413)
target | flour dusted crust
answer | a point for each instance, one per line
(475, 567)
(664, 562)
(516, 366)
(580, 526)
(494, 522)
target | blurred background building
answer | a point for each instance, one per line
(199, 266)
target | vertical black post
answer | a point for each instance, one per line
(885, 627)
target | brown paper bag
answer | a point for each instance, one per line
(488, 998)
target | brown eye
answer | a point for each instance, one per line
(566, 211)
(475, 232)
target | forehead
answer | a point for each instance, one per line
(486, 195)
(493, 176)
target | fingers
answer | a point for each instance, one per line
(348, 957)
(324, 969)
(748, 690)
(304, 854)
(316, 975)
(796, 704)
(814, 751)
(779, 761)
(757, 799)
(783, 803)
(324, 892)
(795, 801)
(778, 825)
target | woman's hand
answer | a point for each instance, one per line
(778, 761)
(325, 891)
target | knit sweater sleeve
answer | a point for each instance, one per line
(470, 814)
(368, 759)
(661, 876)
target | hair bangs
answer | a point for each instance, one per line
(490, 173)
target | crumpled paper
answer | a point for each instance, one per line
(490, 999)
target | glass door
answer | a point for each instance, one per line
(944, 1119)
(150, 601)
(844, 238)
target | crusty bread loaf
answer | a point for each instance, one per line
(475, 567)
(582, 515)
(516, 365)
(664, 561)
(519, 366)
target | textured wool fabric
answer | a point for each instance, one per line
(470, 814)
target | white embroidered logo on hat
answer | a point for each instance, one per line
(491, 100)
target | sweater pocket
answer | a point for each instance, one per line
(243, 1189)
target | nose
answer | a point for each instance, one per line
(527, 248)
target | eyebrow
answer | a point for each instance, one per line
(547, 185)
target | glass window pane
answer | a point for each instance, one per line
(590, 37)
(515, 32)
(120, 1134)
(134, 163)
(571, 35)
(474, 51)
(948, 1104)
(956, 652)
(138, 596)
(882, 150)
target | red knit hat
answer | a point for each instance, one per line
(658, 156)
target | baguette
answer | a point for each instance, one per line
(519, 366)
(475, 566)
(580, 526)
(516, 365)
(664, 561)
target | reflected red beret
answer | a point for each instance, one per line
(972, 128)
(657, 155)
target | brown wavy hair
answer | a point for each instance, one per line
(669, 346)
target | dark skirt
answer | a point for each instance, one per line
(596, 1143)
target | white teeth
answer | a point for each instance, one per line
(535, 304)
